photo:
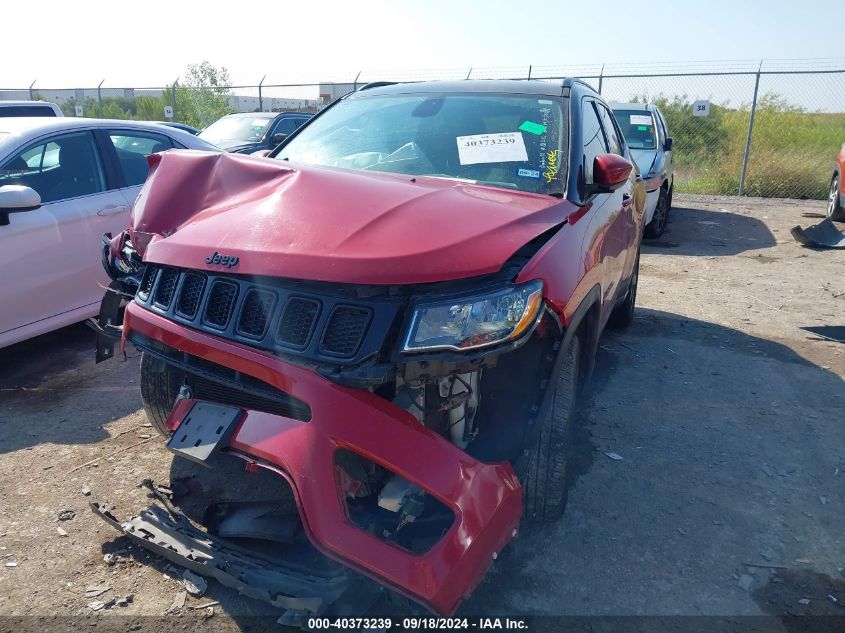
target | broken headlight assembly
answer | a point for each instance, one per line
(473, 322)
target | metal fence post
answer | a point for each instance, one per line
(30, 89)
(750, 130)
(260, 96)
(355, 83)
(529, 72)
(469, 73)
(100, 96)
(601, 77)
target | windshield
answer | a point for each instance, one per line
(236, 128)
(506, 140)
(638, 128)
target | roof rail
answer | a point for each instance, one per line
(377, 84)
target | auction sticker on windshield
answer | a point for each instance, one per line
(504, 147)
(640, 119)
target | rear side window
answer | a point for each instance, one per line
(28, 110)
(66, 166)
(132, 150)
(594, 143)
(288, 126)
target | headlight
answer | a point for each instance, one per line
(473, 322)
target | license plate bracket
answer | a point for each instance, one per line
(204, 430)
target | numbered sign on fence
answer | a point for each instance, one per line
(78, 110)
(701, 108)
(168, 112)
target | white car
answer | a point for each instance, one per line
(648, 138)
(64, 182)
(29, 108)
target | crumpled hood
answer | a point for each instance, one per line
(324, 224)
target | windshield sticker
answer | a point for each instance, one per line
(504, 147)
(544, 101)
(643, 128)
(533, 128)
(552, 165)
(528, 173)
(641, 119)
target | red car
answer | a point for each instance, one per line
(836, 198)
(364, 350)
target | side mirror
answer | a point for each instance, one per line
(16, 199)
(610, 171)
(277, 138)
(667, 146)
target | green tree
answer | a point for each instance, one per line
(149, 108)
(202, 96)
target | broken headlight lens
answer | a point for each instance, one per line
(473, 322)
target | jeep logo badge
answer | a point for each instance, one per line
(223, 260)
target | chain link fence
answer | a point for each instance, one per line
(771, 129)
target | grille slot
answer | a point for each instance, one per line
(297, 323)
(190, 295)
(345, 330)
(147, 282)
(166, 287)
(221, 300)
(255, 313)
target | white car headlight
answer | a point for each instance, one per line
(472, 322)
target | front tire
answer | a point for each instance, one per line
(545, 487)
(834, 206)
(159, 388)
(657, 226)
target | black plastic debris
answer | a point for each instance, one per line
(823, 235)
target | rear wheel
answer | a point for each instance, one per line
(623, 314)
(544, 489)
(834, 207)
(655, 228)
(159, 387)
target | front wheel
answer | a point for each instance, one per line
(655, 228)
(160, 385)
(834, 206)
(544, 489)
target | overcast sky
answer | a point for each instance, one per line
(149, 43)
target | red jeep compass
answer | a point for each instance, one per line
(364, 349)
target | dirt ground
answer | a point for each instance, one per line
(729, 419)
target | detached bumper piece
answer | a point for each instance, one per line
(183, 544)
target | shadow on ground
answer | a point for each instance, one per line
(698, 232)
(730, 446)
(51, 391)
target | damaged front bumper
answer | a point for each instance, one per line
(486, 499)
(175, 539)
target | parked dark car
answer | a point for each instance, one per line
(249, 132)
(366, 353)
(190, 129)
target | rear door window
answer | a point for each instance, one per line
(132, 150)
(66, 166)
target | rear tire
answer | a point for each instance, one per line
(834, 206)
(544, 489)
(623, 314)
(657, 226)
(159, 388)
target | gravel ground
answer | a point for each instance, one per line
(728, 499)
